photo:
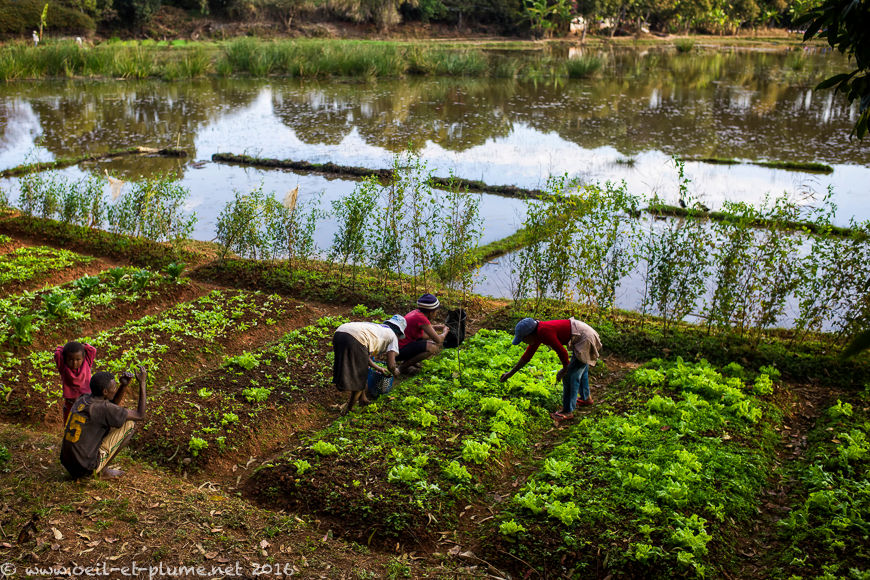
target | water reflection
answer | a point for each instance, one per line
(456, 114)
(625, 124)
(77, 118)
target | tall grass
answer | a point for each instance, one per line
(684, 44)
(192, 64)
(132, 63)
(583, 67)
(309, 58)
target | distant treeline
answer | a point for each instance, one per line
(536, 18)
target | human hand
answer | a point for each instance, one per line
(505, 377)
(125, 378)
(560, 374)
(141, 374)
(396, 373)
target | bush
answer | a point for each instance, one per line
(153, 209)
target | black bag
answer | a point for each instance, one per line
(456, 328)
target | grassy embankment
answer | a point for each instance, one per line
(291, 58)
(25, 169)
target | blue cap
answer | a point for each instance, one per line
(525, 327)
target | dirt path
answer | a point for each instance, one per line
(760, 544)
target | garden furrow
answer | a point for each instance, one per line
(781, 537)
(36, 320)
(31, 267)
(254, 401)
(183, 341)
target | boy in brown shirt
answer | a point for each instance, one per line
(98, 425)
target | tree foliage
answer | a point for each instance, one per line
(845, 24)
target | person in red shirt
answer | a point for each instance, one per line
(74, 361)
(585, 345)
(422, 339)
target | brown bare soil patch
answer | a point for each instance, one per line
(153, 518)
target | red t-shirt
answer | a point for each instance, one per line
(75, 383)
(416, 321)
(553, 333)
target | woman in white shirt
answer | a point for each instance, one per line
(354, 345)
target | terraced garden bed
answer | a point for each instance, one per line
(85, 302)
(657, 489)
(26, 267)
(210, 418)
(402, 466)
(179, 341)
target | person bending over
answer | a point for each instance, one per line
(422, 339)
(354, 345)
(99, 426)
(585, 345)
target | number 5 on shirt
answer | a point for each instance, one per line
(74, 427)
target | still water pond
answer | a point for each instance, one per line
(624, 124)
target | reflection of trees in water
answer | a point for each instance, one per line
(454, 113)
(79, 118)
(729, 104)
(135, 167)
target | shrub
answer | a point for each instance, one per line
(174, 270)
(19, 17)
(684, 44)
(582, 67)
(153, 209)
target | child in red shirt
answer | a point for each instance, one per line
(74, 361)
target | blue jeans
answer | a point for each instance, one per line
(576, 380)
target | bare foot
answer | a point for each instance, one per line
(111, 473)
